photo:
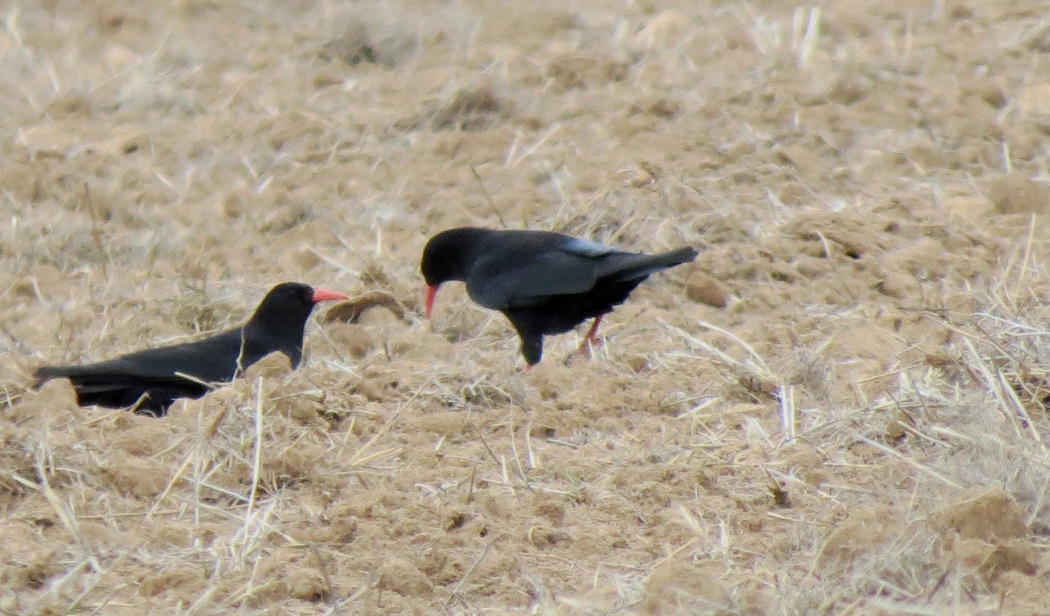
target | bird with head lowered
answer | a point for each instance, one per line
(544, 282)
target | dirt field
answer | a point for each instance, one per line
(838, 409)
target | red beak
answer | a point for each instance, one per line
(324, 295)
(432, 291)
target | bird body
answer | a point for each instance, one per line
(545, 282)
(152, 379)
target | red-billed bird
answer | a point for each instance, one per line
(546, 283)
(152, 379)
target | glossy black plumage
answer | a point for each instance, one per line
(546, 283)
(150, 379)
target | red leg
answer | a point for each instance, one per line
(592, 335)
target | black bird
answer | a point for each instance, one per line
(546, 283)
(150, 380)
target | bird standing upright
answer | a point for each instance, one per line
(152, 379)
(546, 283)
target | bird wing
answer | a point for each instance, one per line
(499, 284)
(209, 360)
(107, 382)
(526, 270)
(589, 248)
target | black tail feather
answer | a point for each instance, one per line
(634, 267)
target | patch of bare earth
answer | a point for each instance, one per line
(839, 408)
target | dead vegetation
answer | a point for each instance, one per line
(841, 407)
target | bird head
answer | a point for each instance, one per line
(447, 256)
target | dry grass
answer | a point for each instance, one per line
(852, 421)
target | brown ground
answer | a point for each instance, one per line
(860, 429)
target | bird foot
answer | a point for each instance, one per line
(588, 344)
(586, 349)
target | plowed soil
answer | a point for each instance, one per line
(840, 407)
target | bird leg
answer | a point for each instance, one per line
(592, 336)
